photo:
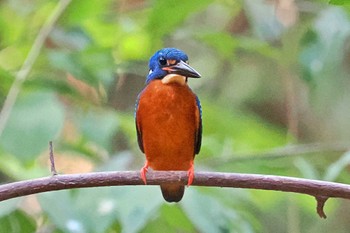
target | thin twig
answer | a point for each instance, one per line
(321, 200)
(314, 188)
(283, 152)
(34, 52)
(52, 160)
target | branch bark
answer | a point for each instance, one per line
(314, 188)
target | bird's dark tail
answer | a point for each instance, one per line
(172, 192)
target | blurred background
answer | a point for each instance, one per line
(274, 92)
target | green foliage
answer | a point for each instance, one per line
(240, 132)
(76, 213)
(170, 218)
(334, 170)
(94, 66)
(102, 134)
(39, 114)
(265, 85)
(17, 221)
(167, 15)
(223, 43)
(8, 207)
(338, 2)
(80, 11)
(131, 207)
(324, 44)
(213, 216)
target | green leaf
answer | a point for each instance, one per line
(137, 205)
(94, 66)
(6, 82)
(98, 126)
(54, 84)
(82, 210)
(18, 222)
(104, 34)
(234, 131)
(15, 168)
(212, 216)
(6, 207)
(168, 14)
(334, 170)
(256, 46)
(80, 10)
(170, 219)
(12, 27)
(307, 169)
(134, 46)
(36, 119)
(10, 59)
(222, 42)
(338, 2)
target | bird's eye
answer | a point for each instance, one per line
(162, 61)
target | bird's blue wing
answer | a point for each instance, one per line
(198, 139)
(138, 129)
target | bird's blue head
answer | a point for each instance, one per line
(170, 61)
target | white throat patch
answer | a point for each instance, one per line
(174, 78)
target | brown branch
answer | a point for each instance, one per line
(321, 200)
(314, 188)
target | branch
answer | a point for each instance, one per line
(29, 62)
(321, 190)
(52, 160)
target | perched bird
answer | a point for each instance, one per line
(168, 119)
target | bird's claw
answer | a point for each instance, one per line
(190, 174)
(143, 172)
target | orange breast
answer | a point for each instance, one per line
(168, 117)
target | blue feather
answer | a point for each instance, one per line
(155, 68)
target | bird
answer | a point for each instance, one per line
(168, 119)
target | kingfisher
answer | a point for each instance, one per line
(168, 119)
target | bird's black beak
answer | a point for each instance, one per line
(182, 68)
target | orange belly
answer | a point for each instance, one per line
(168, 118)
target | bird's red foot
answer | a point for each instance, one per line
(190, 174)
(143, 172)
